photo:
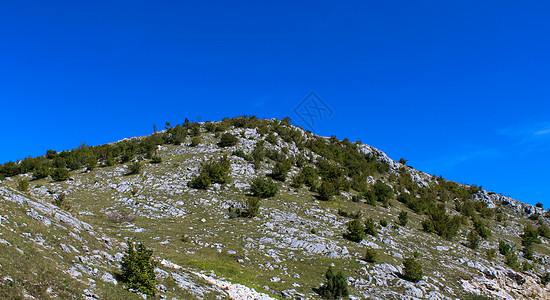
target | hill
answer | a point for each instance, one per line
(259, 209)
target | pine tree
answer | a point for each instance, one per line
(137, 270)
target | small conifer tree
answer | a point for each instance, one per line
(137, 270)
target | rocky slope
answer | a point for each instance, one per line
(72, 251)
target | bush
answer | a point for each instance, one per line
(156, 159)
(240, 153)
(60, 174)
(353, 215)
(543, 231)
(539, 205)
(491, 254)
(473, 239)
(370, 227)
(137, 270)
(383, 192)
(60, 200)
(280, 169)
(195, 141)
(403, 218)
(529, 236)
(412, 270)
(545, 279)
(481, 229)
(326, 190)
(200, 182)
(504, 248)
(263, 187)
(228, 140)
(252, 207)
(383, 222)
(370, 255)
(23, 184)
(356, 231)
(441, 223)
(134, 168)
(336, 286)
(40, 173)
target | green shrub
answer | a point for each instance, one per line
(356, 231)
(412, 270)
(263, 187)
(228, 140)
(439, 222)
(383, 222)
(326, 190)
(336, 286)
(134, 168)
(481, 229)
(217, 170)
(370, 227)
(202, 181)
(280, 169)
(271, 138)
(370, 197)
(543, 231)
(60, 174)
(156, 159)
(137, 270)
(370, 255)
(23, 184)
(403, 218)
(353, 215)
(40, 173)
(491, 253)
(512, 260)
(195, 141)
(539, 204)
(240, 153)
(529, 236)
(503, 247)
(382, 191)
(252, 207)
(473, 239)
(60, 200)
(545, 279)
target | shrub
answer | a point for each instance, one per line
(156, 159)
(23, 184)
(271, 138)
(370, 197)
(336, 286)
(326, 190)
(370, 255)
(60, 200)
(383, 222)
(280, 169)
(263, 187)
(529, 236)
(403, 218)
(356, 231)
(504, 248)
(383, 192)
(473, 239)
(217, 170)
(441, 223)
(481, 229)
(134, 168)
(370, 227)
(412, 270)
(202, 181)
(353, 215)
(252, 207)
(40, 173)
(491, 254)
(539, 205)
(195, 141)
(240, 153)
(60, 174)
(228, 140)
(137, 269)
(545, 279)
(512, 260)
(543, 231)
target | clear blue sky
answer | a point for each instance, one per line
(459, 89)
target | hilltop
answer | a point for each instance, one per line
(245, 208)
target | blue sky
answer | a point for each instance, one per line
(460, 89)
